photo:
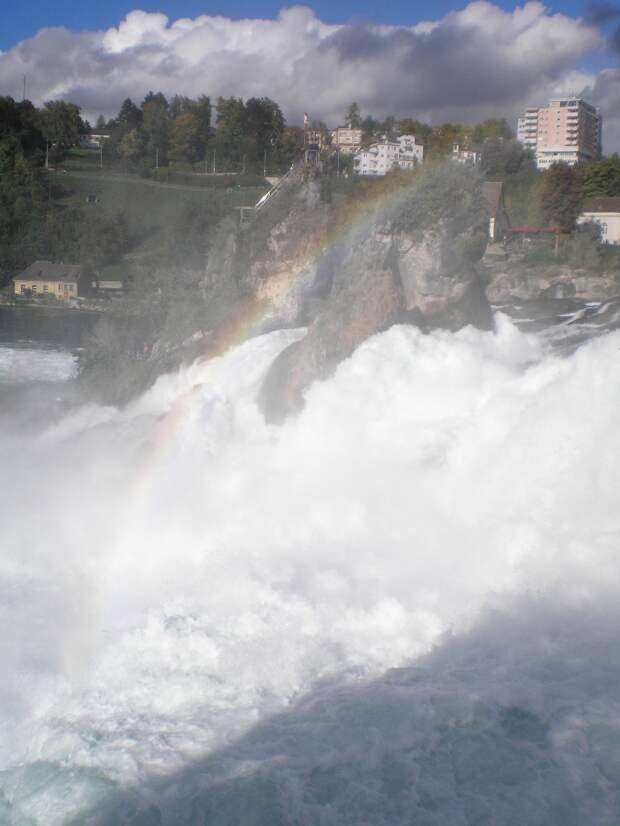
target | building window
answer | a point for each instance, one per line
(34, 288)
(23, 289)
(45, 288)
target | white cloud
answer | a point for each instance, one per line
(478, 62)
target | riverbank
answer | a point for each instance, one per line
(85, 305)
(510, 277)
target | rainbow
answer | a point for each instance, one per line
(382, 195)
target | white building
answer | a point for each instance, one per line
(606, 213)
(94, 140)
(468, 154)
(527, 128)
(385, 155)
(567, 130)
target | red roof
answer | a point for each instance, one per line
(525, 230)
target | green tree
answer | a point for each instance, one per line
(353, 118)
(503, 158)
(185, 142)
(409, 126)
(442, 139)
(491, 129)
(129, 148)
(181, 105)
(129, 116)
(202, 113)
(231, 141)
(155, 130)
(370, 130)
(23, 200)
(601, 177)
(62, 124)
(264, 126)
(561, 196)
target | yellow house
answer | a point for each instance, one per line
(46, 278)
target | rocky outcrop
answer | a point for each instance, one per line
(512, 280)
(349, 268)
(389, 268)
(278, 261)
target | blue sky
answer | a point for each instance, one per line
(21, 20)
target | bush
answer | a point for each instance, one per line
(540, 255)
(145, 168)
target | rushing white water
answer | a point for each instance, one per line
(177, 573)
(26, 363)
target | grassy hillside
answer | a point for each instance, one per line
(169, 222)
(146, 203)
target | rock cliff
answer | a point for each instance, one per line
(515, 282)
(348, 268)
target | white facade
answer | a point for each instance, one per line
(608, 219)
(466, 154)
(527, 128)
(385, 155)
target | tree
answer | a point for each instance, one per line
(388, 126)
(202, 113)
(264, 126)
(602, 177)
(181, 105)
(87, 236)
(100, 123)
(185, 143)
(21, 123)
(129, 148)
(561, 196)
(370, 128)
(442, 139)
(155, 131)
(422, 131)
(353, 118)
(502, 158)
(292, 144)
(62, 124)
(493, 128)
(129, 116)
(231, 140)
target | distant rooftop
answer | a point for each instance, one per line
(49, 271)
(602, 204)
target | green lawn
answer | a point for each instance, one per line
(146, 203)
(151, 208)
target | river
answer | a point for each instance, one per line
(399, 607)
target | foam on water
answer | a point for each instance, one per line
(176, 572)
(22, 364)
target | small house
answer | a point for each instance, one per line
(605, 212)
(470, 153)
(47, 278)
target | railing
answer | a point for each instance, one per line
(270, 194)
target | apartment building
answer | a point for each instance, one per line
(386, 154)
(527, 128)
(567, 130)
